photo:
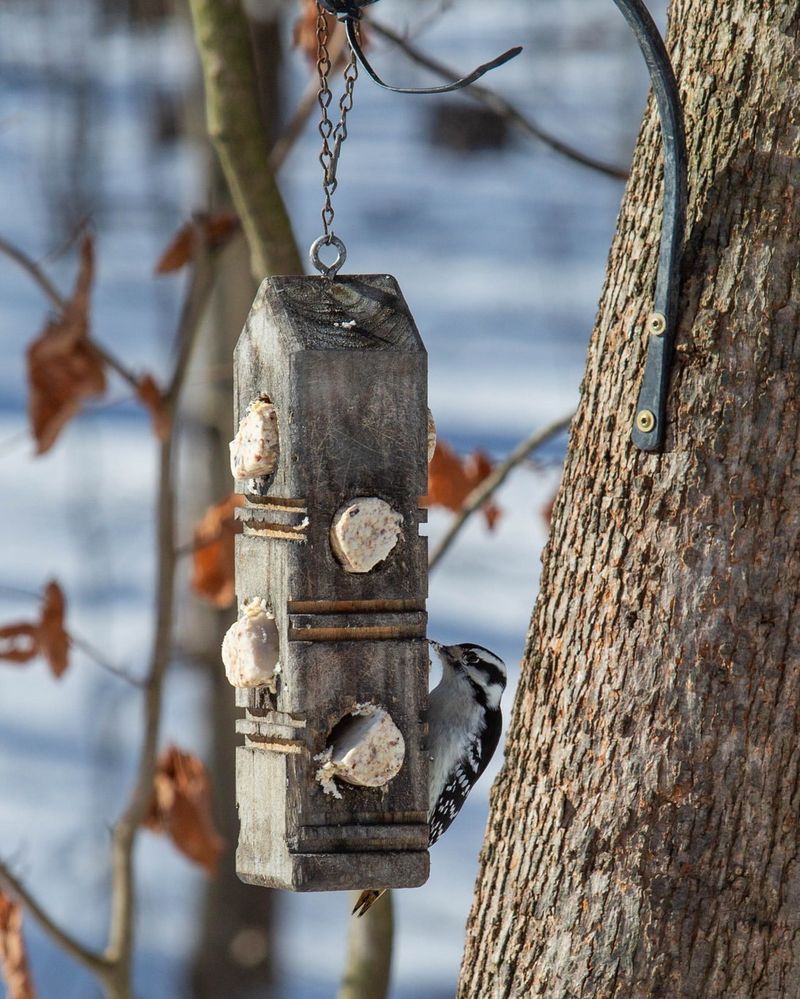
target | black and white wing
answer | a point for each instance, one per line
(462, 779)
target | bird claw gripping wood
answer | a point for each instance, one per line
(349, 11)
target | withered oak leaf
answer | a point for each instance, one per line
(215, 231)
(23, 641)
(451, 480)
(64, 367)
(150, 395)
(180, 807)
(213, 553)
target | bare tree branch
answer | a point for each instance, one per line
(115, 364)
(35, 271)
(59, 303)
(84, 955)
(481, 493)
(237, 131)
(201, 283)
(502, 107)
(97, 658)
(123, 891)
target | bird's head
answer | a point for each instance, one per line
(480, 667)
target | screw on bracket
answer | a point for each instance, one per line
(650, 421)
(645, 421)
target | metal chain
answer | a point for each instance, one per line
(332, 139)
(332, 136)
(324, 98)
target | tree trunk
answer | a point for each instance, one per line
(644, 834)
(368, 965)
(234, 955)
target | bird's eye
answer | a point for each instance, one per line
(470, 659)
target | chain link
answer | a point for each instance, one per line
(332, 136)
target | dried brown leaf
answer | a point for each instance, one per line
(181, 807)
(215, 231)
(305, 32)
(150, 395)
(64, 367)
(13, 956)
(451, 480)
(53, 638)
(21, 642)
(305, 29)
(213, 556)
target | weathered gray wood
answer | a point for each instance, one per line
(345, 368)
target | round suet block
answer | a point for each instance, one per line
(250, 648)
(255, 448)
(365, 749)
(364, 532)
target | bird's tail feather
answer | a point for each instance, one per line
(367, 899)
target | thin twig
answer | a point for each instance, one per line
(115, 364)
(95, 962)
(59, 303)
(92, 654)
(502, 107)
(123, 890)
(481, 493)
(35, 271)
(198, 293)
(17, 591)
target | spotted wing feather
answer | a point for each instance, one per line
(463, 776)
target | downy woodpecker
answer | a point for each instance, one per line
(464, 723)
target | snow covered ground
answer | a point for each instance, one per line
(500, 256)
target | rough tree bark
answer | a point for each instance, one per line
(644, 836)
(234, 953)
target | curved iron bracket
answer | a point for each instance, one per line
(649, 422)
(650, 419)
(349, 11)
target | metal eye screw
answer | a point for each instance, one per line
(328, 270)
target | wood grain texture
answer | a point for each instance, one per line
(644, 836)
(347, 372)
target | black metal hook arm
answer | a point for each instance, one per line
(351, 26)
(349, 11)
(649, 422)
(650, 419)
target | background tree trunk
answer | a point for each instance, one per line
(644, 835)
(368, 965)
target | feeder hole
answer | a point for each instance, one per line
(364, 749)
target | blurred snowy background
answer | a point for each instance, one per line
(500, 253)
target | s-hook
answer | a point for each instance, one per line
(349, 11)
(650, 418)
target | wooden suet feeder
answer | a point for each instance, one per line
(331, 576)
